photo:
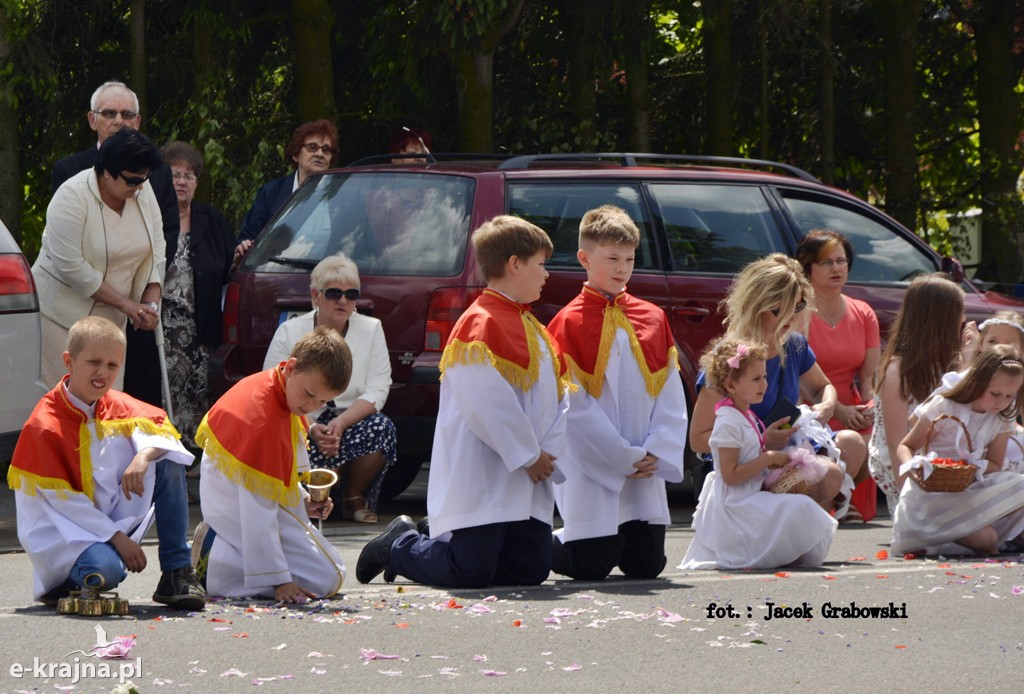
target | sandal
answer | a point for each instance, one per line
(359, 515)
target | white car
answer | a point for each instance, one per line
(20, 387)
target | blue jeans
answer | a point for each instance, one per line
(171, 500)
(100, 558)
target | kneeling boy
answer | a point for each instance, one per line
(84, 475)
(500, 427)
(256, 539)
(626, 430)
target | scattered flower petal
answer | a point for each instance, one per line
(493, 673)
(233, 672)
(881, 554)
(368, 654)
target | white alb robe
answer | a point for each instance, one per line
(487, 433)
(261, 544)
(606, 436)
(54, 531)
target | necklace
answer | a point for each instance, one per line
(832, 318)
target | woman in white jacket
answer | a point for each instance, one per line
(102, 250)
(349, 434)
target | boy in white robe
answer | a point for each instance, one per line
(500, 427)
(626, 429)
(256, 539)
(84, 475)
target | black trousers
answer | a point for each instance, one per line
(638, 549)
(498, 554)
(142, 367)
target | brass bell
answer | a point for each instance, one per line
(90, 607)
(68, 605)
(114, 605)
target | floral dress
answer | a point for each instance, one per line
(187, 359)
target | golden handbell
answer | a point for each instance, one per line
(89, 601)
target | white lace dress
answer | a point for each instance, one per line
(935, 520)
(742, 527)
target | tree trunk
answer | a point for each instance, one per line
(719, 76)
(474, 68)
(999, 120)
(10, 171)
(475, 72)
(762, 54)
(899, 22)
(137, 33)
(582, 23)
(313, 20)
(637, 36)
(828, 107)
(203, 56)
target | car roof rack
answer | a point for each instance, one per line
(631, 159)
(432, 158)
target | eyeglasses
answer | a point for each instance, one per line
(313, 148)
(179, 176)
(134, 181)
(335, 294)
(797, 309)
(111, 114)
(833, 262)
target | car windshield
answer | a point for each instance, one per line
(388, 223)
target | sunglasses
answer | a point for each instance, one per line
(335, 294)
(797, 309)
(134, 181)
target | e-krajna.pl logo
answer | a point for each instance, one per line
(105, 660)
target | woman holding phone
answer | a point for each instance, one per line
(767, 303)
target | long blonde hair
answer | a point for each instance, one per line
(773, 282)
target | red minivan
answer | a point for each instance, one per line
(407, 226)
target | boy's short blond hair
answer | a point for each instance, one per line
(608, 224)
(505, 236)
(93, 329)
(325, 352)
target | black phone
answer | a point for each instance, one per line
(784, 407)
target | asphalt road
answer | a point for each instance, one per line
(962, 629)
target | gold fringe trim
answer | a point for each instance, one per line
(127, 427)
(30, 484)
(250, 478)
(593, 383)
(477, 352)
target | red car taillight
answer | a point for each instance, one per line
(232, 299)
(446, 305)
(17, 289)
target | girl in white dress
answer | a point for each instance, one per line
(737, 525)
(990, 512)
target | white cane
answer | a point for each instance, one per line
(165, 385)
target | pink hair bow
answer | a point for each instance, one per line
(734, 361)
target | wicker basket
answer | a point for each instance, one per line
(790, 483)
(948, 475)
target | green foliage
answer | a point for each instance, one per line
(466, 22)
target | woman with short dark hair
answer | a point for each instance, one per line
(103, 249)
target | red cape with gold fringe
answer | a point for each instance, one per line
(585, 330)
(503, 332)
(252, 437)
(54, 449)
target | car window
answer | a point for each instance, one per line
(557, 207)
(715, 228)
(388, 223)
(881, 253)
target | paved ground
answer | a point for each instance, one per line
(961, 629)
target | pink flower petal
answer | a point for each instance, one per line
(368, 654)
(493, 673)
(233, 672)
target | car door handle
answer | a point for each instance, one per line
(692, 311)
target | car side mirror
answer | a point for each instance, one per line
(953, 268)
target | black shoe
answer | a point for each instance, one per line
(423, 525)
(180, 589)
(374, 557)
(202, 541)
(62, 591)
